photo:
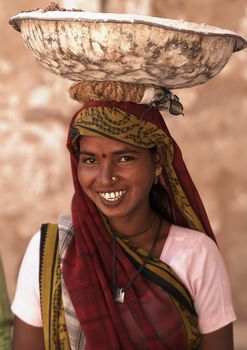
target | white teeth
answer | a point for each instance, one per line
(112, 196)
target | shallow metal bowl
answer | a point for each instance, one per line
(83, 46)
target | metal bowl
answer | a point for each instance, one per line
(83, 46)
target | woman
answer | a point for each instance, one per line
(139, 265)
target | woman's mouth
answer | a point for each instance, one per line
(112, 196)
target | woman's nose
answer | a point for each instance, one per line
(106, 173)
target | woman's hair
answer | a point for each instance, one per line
(158, 198)
(159, 202)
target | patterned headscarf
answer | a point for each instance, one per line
(87, 265)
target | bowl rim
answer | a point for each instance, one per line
(99, 17)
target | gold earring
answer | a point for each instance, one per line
(157, 173)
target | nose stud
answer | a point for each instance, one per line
(113, 178)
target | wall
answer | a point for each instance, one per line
(35, 109)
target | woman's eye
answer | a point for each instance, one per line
(126, 158)
(88, 160)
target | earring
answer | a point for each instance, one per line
(113, 178)
(157, 173)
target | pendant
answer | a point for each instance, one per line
(119, 296)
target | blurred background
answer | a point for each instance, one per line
(35, 110)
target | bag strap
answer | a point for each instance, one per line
(54, 324)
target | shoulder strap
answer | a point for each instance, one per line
(54, 325)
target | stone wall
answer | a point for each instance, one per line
(35, 109)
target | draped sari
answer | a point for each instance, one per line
(158, 312)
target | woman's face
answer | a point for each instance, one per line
(132, 167)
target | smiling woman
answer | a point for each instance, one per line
(136, 263)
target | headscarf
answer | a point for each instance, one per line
(87, 265)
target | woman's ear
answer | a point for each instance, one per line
(160, 155)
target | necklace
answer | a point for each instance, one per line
(119, 293)
(138, 233)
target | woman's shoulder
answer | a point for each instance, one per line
(188, 234)
(33, 244)
(189, 244)
(64, 223)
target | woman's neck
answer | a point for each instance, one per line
(135, 223)
(143, 232)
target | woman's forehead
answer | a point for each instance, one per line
(100, 143)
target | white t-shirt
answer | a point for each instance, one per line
(192, 255)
